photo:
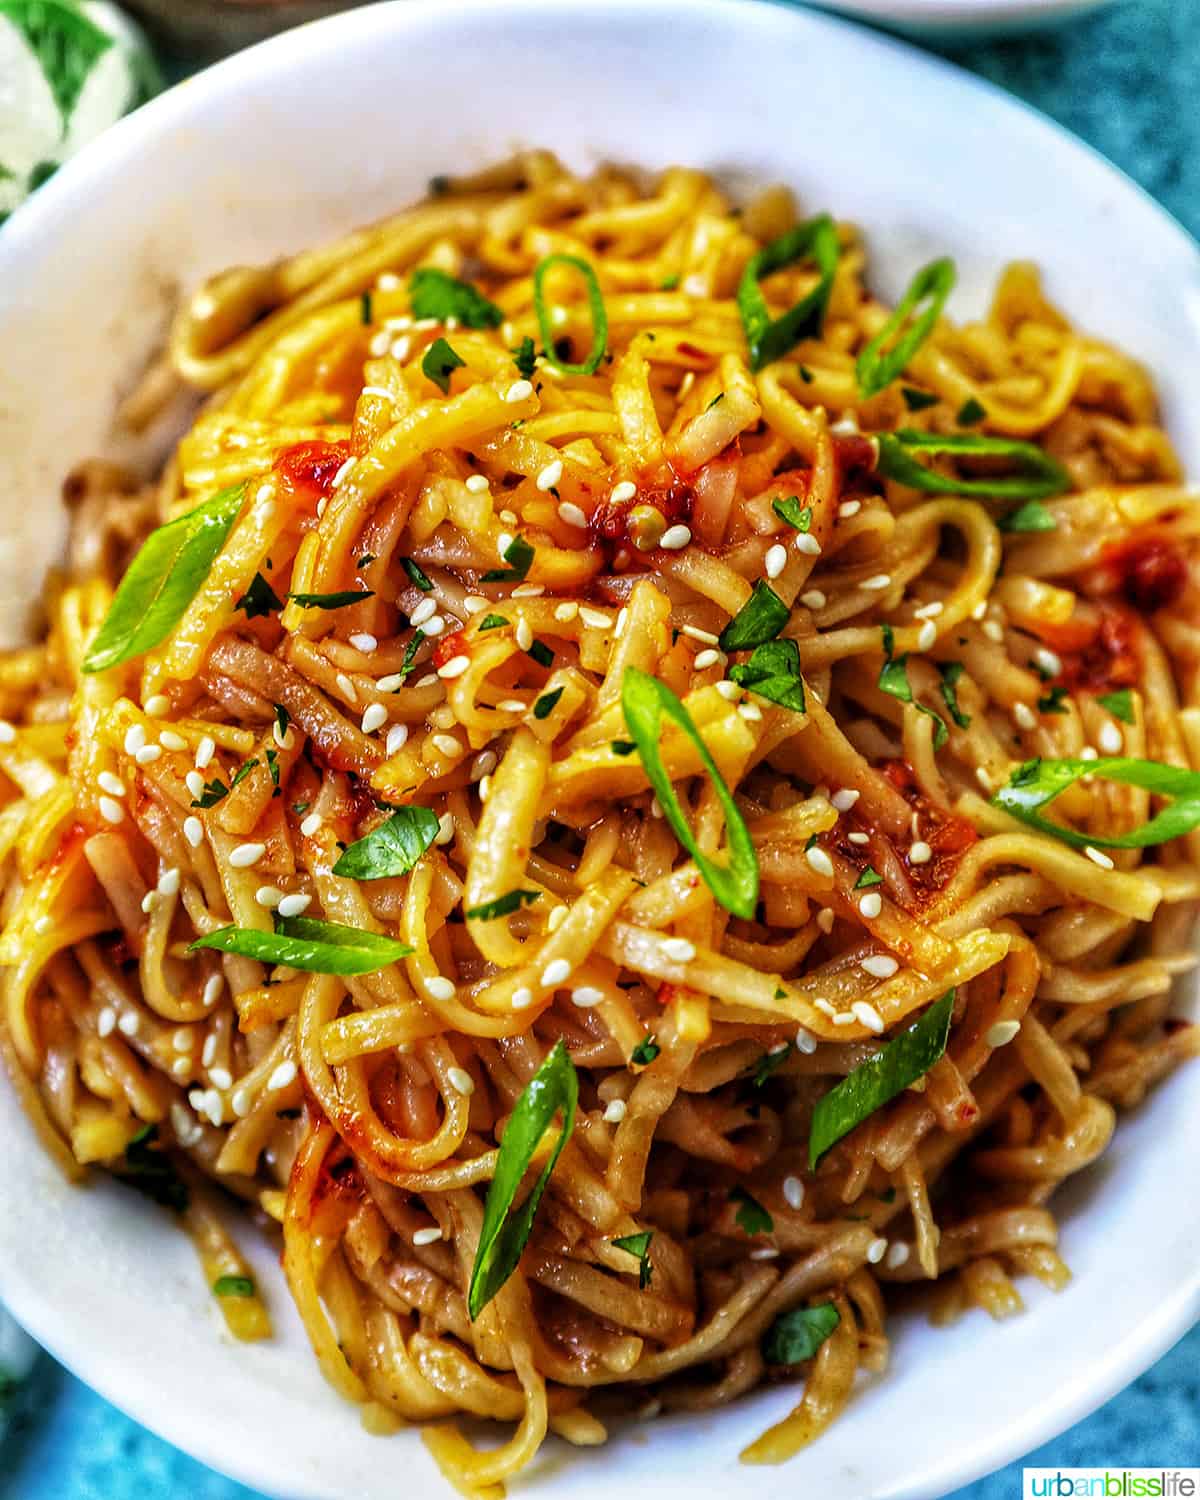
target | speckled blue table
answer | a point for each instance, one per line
(1126, 81)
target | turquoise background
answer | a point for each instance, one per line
(1127, 81)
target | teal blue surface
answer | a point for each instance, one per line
(1128, 82)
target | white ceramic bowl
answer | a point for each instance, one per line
(336, 123)
(963, 20)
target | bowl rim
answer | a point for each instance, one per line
(115, 148)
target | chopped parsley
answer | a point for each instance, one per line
(751, 1215)
(970, 412)
(519, 555)
(439, 363)
(791, 511)
(416, 576)
(646, 1051)
(547, 703)
(260, 599)
(435, 294)
(918, 400)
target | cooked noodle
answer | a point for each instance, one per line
(364, 1112)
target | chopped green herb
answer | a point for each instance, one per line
(272, 759)
(940, 734)
(492, 622)
(1119, 704)
(751, 1215)
(893, 678)
(332, 601)
(541, 654)
(720, 396)
(410, 655)
(769, 1062)
(546, 704)
(950, 672)
(623, 747)
(213, 791)
(1038, 475)
(889, 352)
(148, 1168)
(668, 283)
(233, 1286)
(770, 339)
(365, 309)
(638, 1245)
(1055, 701)
(435, 294)
(868, 877)
(595, 304)
(525, 357)
(970, 412)
(300, 808)
(391, 849)
(646, 1051)
(439, 363)
(519, 554)
(242, 772)
(773, 672)
(502, 906)
(366, 560)
(918, 400)
(282, 720)
(759, 620)
(791, 511)
(1032, 516)
(798, 1334)
(260, 599)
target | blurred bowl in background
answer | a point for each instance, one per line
(196, 31)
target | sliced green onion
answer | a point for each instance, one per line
(759, 620)
(233, 1286)
(646, 1051)
(890, 351)
(519, 554)
(970, 412)
(525, 358)
(502, 906)
(546, 704)
(492, 622)
(1038, 782)
(1038, 475)
(391, 849)
(305, 943)
(332, 601)
(918, 400)
(417, 576)
(645, 700)
(502, 1237)
(770, 339)
(869, 877)
(595, 302)
(260, 599)
(1055, 701)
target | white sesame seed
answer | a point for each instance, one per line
(390, 683)
(750, 712)
(473, 603)
(388, 281)
(424, 611)
(979, 610)
(130, 1023)
(819, 860)
(346, 687)
(813, 599)
(849, 508)
(194, 783)
(1001, 1033)
(1110, 739)
(898, 1253)
(859, 838)
(111, 784)
(477, 483)
(614, 1111)
(878, 581)
(866, 1015)
(220, 1078)
(1089, 752)
(400, 347)
(455, 667)
(205, 751)
(212, 990)
(706, 637)
(763, 1252)
(428, 1236)
(586, 995)
(242, 1102)
(1098, 857)
(193, 831)
(8, 733)
(439, 987)
(445, 744)
(245, 855)
(929, 611)
(825, 1008)
(1048, 661)
(42, 925)
(362, 641)
(292, 906)
(269, 896)
(728, 690)
(775, 560)
(993, 630)
(135, 739)
(168, 881)
(172, 741)
(596, 618)
(825, 920)
(793, 1192)
(106, 1021)
(111, 810)
(445, 833)
(845, 798)
(555, 972)
(374, 717)
(149, 901)
(461, 1081)
(876, 1250)
(484, 764)
(805, 1041)
(148, 754)
(550, 475)
(284, 1074)
(805, 542)
(871, 904)
(566, 612)
(927, 636)
(983, 778)
(521, 997)
(571, 514)
(880, 965)
(675, 538)
(377, 390)
(208, 1052)
(626, 490)
(679, 949)
(520, 390)
(709, 657)
(157, 705)
(920, 853)
(311, 825)
(529, 590)
(1023, 716)
(524, 634)
(655, 808)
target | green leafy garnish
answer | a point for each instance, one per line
(525, 357)
(638, 1245)
(645, 700)
(950, 672)
(888, 353)
(503, 906)
(970, 412)
(1119, 704)
(893, 678)
(897, 1064)
(1032, 516)
(668, 283)
(502, 1237)
(751, 1215)
(391, 849)
(1038, 782)
(595, 303)
(940, 734)
(769, 1062)
(66, 43)
(410, 654)
(791, 511)
(364, 308)
(259, 599)
(770, 339)
(242, 772)
(305, 943)
(282, 720)
(1055, 701)
(332, 601)
(416, 575)
(646, 1051)
(773, 672)
(233, 1286)
(272, 759)
(436, 294)
(519, 555)
(918, 400)
(213, 791)
(148, 1168)
(1038, 475)
(492, 622)
(623, 747)
(546, 704)
(759, 620)
(162, 580)
(541, 653)
(868, 878)
(366, 560)
(439, 363)
(797, 1335)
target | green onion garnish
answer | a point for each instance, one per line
(890, 351)
(435, 294)
(259, 599)
(502, 906)
(1032, 516)
(1038, 474)
(638, 1245)
(1119, 704)
(951, 671)
(773, 672)
(304, 943)
(751, 1215)
(1038, 782)
(771, 339)
(595, 302)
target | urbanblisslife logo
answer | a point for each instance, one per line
(1110, 1484)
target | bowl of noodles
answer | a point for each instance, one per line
(599, 820)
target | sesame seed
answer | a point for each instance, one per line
(1098, 857)
(194, 783)
(245, 855)
(655, 808)
(550, 475)
(111, 810)
(979, 610)
(374, 717)
(135, 738)
(477, 483)
(148, 754)
(423, 611)
(805, 1041)
(111, 784)
(849, 508)
(212, 990)
(220, 1078)
(927, 636)
(920, 853)
(622, 621)
(311, 825)
(750, 712)
(172, 741)
(205, 751)
(42, 925)
(557, 970)
(807, 543)
(284, 1074)
(825, 919)
(521, 997)
(845, 798)
(878, 581)
(596, 618)
(709, 657)
(242, 1102)
(362, 641)
(292, 906)
(524, 634)
(898, 1253)
(565, 612)
(106, 1021)
(130, 1023)
(880, 965)
(694, 631)
(269, 896)
(346, 687)
(626, 490)
(876, 1250)
(679, 949)
(168, 881)
(148, 901)
(866, 1014)
(445, 744)
(433, 626)
(520, 390)
(859, 838)
(529, 591)
(586, 995)
(473, 603)
(388, 281)
(728, 690)
(675, 538)
(511, 705)
(1089, 752)
(439, 987)
(157, 705)
(193, 831)
(461, 1081)
(870, 905)
(1048, 661)
(929, 611)
(819, 861)
(1110, 739)
(571, 514)
(993, 630)
(400, 347)
(614, 1111)
(793, 1192)
(1001, 1033)
(1023, 716)
(377, 390)
(775, 560)
(484, 764)
(763, 1252)
(813, 599)
(445, 833)
(427, 1236)
(825, 1008)
(844, 1018)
